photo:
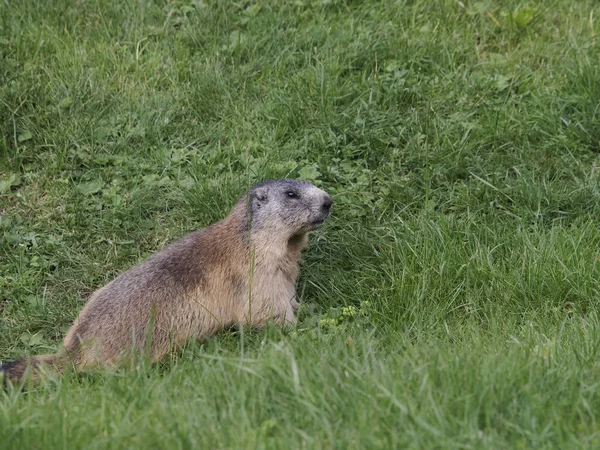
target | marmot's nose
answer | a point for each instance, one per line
(327, 202)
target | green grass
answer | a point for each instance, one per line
(452, 297)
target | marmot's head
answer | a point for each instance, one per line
(287, 207)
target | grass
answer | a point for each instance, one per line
(452, 297)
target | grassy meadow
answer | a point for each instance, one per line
(451, 301)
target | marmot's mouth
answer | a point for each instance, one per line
(317, 223)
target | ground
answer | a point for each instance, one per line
(451, 301)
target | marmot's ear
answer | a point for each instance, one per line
(259, 197)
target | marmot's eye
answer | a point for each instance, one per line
(291, 194)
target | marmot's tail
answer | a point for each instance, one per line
(32, 367)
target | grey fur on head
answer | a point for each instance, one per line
(296, 206)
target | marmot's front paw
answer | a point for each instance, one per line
(288, 320)
(295, 304)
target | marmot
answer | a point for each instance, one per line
(239, 271)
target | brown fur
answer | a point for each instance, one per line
(227, 274)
